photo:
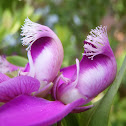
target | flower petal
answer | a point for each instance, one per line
(45, 51)
(68, 71)
(66, 89)
(96, 75)
(97, 70)
(98, 66)
(28, 110)
(17, 86)
(65, 76)
(64, 79)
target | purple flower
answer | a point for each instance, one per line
(21, 107)
(75, 86)
(25, 109)
(45, 53)
(94, 73)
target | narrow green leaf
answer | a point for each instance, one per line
(17, 60)
(99, 115)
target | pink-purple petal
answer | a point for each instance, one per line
(96, 75)
(45, 51)
(29, 110)
(68, 71)
(45, 59)
(97, 70)
(11, 88)
(66, 74)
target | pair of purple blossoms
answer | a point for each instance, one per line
(71, 88)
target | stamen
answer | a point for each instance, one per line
(95, 42)
(30, 32)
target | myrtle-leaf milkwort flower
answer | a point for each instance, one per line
(45, 52)
(94, 73)
(45, 55)
(76, 86)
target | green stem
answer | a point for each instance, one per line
(59, 123)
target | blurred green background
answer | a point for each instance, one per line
(72, 21)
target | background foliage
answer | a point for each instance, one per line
(71, 20)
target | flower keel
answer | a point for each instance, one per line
(97, 70)
(45, 52)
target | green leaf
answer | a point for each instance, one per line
(17, 60)
(12, 74)
(99, 115)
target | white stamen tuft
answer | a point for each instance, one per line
(96, 40)
(29, 32)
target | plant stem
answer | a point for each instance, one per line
(59, 123)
